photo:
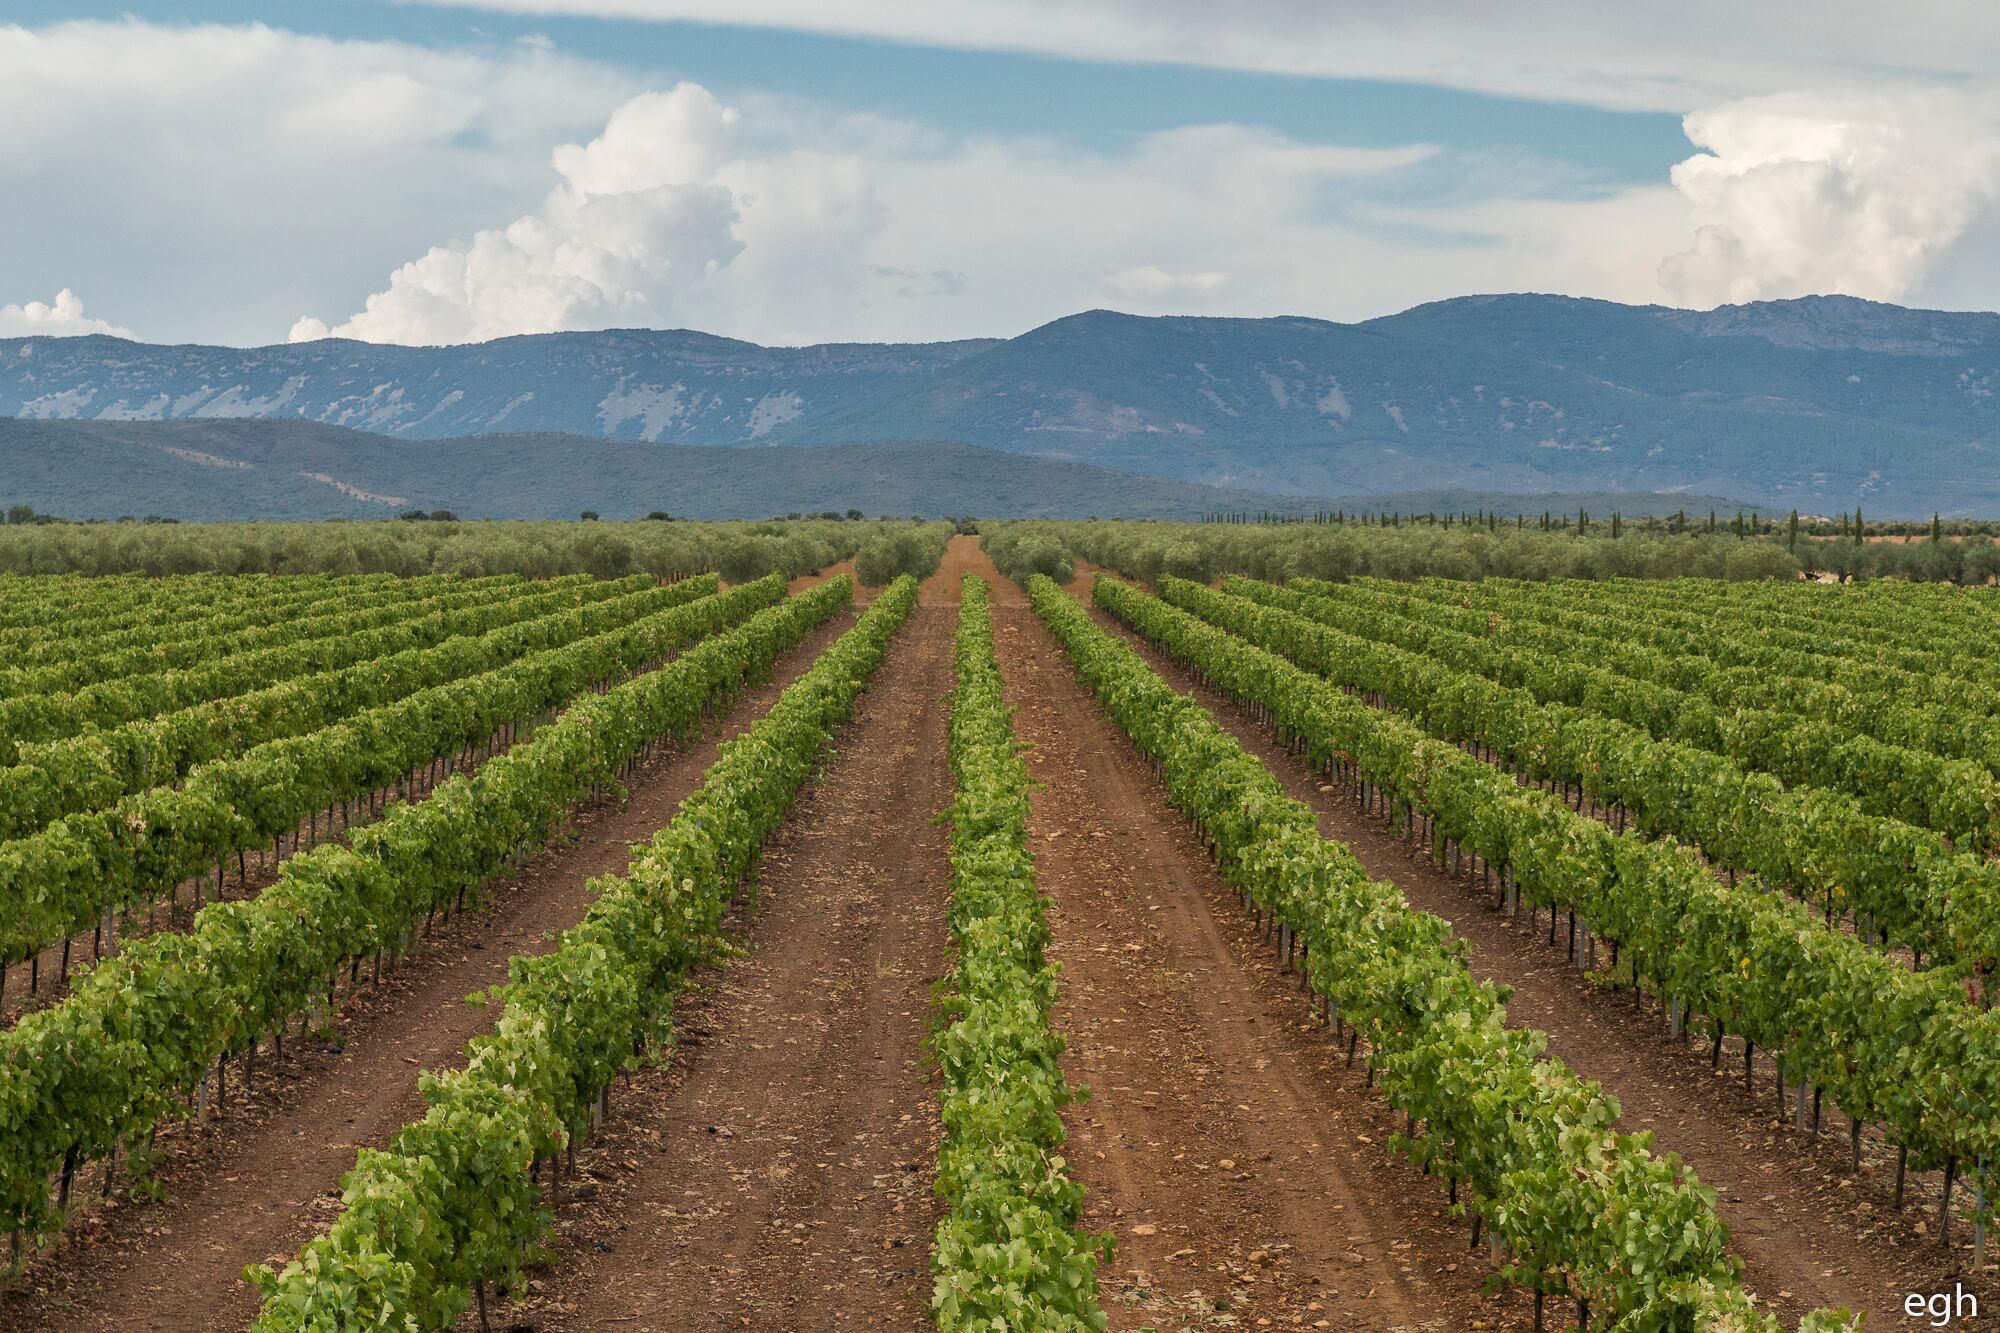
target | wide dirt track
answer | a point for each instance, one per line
(776, 1172)
(1241, 1165)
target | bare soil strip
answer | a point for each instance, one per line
(1810, 1233)
(964, 555)
(777, 1173)
(258, 1180)
(1243, 1168)
(819, 576)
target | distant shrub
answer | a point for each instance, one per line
(915, 551)
(1192, 560)
(1021, 554)
(741, 559)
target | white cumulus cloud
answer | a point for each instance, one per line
(215, 180)
(766, 224)
(1852, 153)
(640, 215)
(1801, 193)
(62, 317)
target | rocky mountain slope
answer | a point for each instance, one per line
(1823, 403)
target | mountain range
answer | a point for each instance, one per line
(1822, 403)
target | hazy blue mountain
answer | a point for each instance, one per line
(654, 385)
(1823, 403)
(246, 468)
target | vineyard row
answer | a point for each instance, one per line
(454, 1205)
(1571, 1206)
(140, 1034)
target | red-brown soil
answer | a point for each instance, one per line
(258, 1180)
(1810, 1233)
(777, 1173)
(1242, 1167)
(964, 555)
(819, 576)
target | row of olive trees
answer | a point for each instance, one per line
(1205, 551)
(1973, 559)
(739, 551)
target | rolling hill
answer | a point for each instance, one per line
(220, 470)
(208, 470)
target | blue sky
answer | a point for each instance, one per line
(423, 172)
(989, 91)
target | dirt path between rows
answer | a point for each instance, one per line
(827, 575)
(256, 1182)
(1809, 1233)
(1242, 1167)
(777, 1174)
(964, 555)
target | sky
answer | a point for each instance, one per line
(803, 171)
